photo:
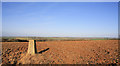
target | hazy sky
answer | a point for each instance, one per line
(60, 0)
(60, 19)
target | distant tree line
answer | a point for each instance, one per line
(13, 40)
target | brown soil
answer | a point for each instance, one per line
(62, 52)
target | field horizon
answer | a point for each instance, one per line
(10, 39)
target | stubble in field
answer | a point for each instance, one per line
(62, 52)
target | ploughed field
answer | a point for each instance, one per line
(62, 52)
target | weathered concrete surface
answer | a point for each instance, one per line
(32, 47)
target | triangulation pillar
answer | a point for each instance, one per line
(32, 47)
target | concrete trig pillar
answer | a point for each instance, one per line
(32, 47)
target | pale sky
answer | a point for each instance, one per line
(60, 19)
(60, 0)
